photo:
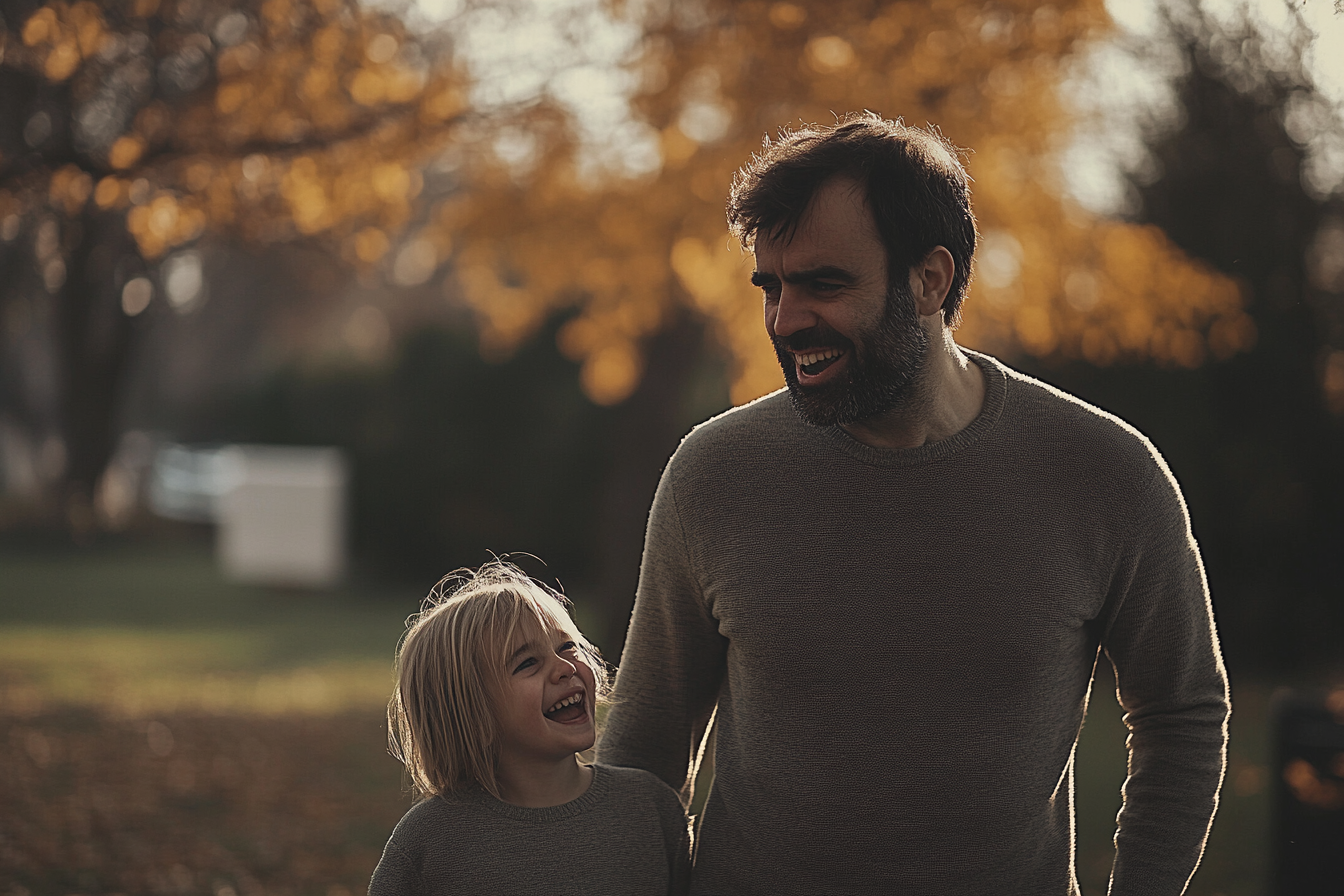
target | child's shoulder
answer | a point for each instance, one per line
(430, 816)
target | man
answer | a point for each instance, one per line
(888, 588)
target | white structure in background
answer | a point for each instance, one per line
(280, 510)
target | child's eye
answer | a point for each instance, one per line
(567, 646)
(527, 663)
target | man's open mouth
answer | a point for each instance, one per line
(814, 361)
(570, 709)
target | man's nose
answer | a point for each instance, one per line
(791, 314)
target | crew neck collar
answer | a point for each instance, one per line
(597, 789)
(996, 389)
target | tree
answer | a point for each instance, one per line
(132, 128)
(1236, 184)
(636, 254)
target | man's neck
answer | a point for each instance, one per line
(536, 784)
(950, 395)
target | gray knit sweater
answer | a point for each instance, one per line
(900, 645)
(627, 834)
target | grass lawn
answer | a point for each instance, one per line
(165, 731)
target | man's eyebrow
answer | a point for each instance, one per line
(825, 272)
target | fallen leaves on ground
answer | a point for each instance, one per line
(186, 804)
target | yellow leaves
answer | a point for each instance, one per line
(403, 84)
(328, 44)
(830, 55)
(370, 245)
(1035, 330)
(278, 16)
(610, 374)
(442, 104)
(41, 27)
(1104, 292)
(69, 188)
(164, 222)
(367, 87)
(677, 147)
(304, 189)
(787, 16)
(391, 182)
(62, 61)
(230, 97)
(381, 48)
(717, 279)
(316, 84)
(1053, 281)
(110, 192)
(69, 34)
(712, 279)
(235, 61)
(126, 151)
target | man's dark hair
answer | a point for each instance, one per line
(912, 181)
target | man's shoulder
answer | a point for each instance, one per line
(628, 781)
(747, 428)
(1067, 423)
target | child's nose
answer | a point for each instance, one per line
(562, 668)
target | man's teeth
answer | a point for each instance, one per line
(810, 358)
(576, 698)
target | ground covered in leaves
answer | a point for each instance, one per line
(186, 804)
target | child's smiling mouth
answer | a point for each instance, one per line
(571, 709)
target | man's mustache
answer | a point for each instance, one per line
(812, 338)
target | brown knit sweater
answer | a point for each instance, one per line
(900, 644)
(626, 835)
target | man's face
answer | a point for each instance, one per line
(850, 344)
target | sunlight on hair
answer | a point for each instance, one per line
(451, 662)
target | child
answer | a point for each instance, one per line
(496, 695)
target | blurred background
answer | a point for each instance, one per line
(305, 303)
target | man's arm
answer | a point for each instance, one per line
(1171, 682)
(673, 660)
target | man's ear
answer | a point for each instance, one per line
(931, 280)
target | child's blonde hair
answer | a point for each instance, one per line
(451, 664)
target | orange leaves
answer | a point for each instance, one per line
(193, 803)
(370, 245)
(307, 195)
(1053, 280)
(717, 279)
(69, 189)
(126, 151)
(320, 115)
(164, 222)
(830, 55)
(64, 36)
(1103, 292)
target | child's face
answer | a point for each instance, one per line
(546, 710)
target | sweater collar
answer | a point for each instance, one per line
(599, 788)
(996, 390)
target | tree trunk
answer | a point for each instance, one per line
(94, 340)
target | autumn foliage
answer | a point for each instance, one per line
(144, 126)
(271, 120)
(233, 805)
(631, 254)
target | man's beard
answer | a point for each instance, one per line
(882, 377)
